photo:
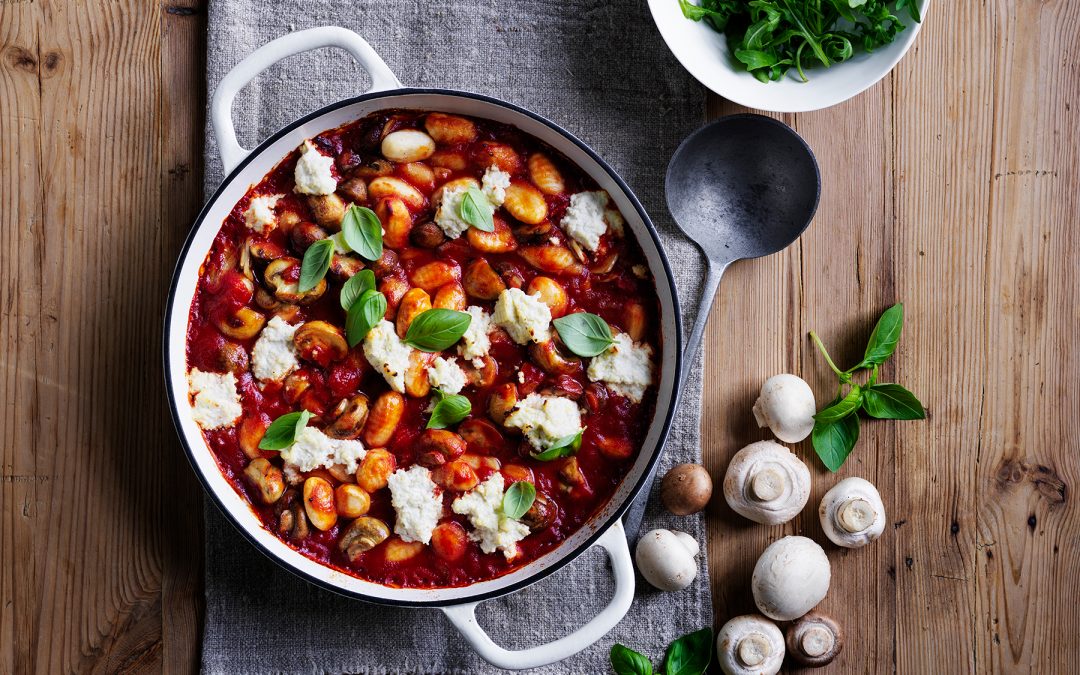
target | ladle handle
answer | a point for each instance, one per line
(714, 272)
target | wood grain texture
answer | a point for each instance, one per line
(100, 143)
(951, 186)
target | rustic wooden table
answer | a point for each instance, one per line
(951, 185)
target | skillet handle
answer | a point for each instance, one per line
(232, 153)
(464, 616)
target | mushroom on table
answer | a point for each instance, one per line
(851, 513)
(786, 405)
(686, 489)
(767, 483)
(750, 645)
(790, 578)
(814, 640)
(666, 558)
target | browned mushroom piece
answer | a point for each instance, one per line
(293, 521)
(427, 235)
(686, 489)
(550, 358)
(328, 210)
(266, 478)
(233, 358)
(541, 514)
(362, 534)
(354, 189)
(814, 640)
(243, 324)
(344, 267)
(282, 276)
(305, 234)
(320, 342)
(348, 418)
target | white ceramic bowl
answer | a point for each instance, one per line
(704, 52)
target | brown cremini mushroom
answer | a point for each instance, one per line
(814, 640)
(686, 489)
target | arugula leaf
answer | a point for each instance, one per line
(584, 334)
(476, 210)
(834, 441)
(316, 262)
(283, 431)
(626, 661)
(892, 402)
(364, 280)
(362, 231)
(449, 409)
(690, 654)
(365, 312)
(437, 329)
(518, 499)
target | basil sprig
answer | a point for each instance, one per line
(362, 231)
(518, 499)
(476, 210)
(564, 447)
(449, 409)
(688, 655)
(364, 280)
(437, 329)
(283, 431)
(316, 263)
(366, 311)
(584, 334)
(836, 426)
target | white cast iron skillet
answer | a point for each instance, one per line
(246, 167)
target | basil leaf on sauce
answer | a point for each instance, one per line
(437, 329)
(564, 447)
(449, 409)
(584, 334)
(690, 654)
(316, 263)
(365, 312)
(364, 280)
(476, 210)
(283, 431)
(362, 231)
(518, 499)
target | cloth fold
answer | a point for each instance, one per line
(601, 71)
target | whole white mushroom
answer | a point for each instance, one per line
(767, 483)
(786, 405)
(851, 513)
(666, 558)
(750, 645)
(790, 578)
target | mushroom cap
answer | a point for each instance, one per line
(767, 483)
(686, 489)
(666, 559)
(790, 578)
(814, 640)
(786, 405)
(851, 513)
(750, 645)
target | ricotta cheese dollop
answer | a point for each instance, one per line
(446, 375)
(448, 216)
(494, 184)
(216, 401)
(260, 216)
(626, 368)
(545, 419)
(386, 353)
(588, 217)
(417, 502)
(274, 354)
(313, 175)
(525, 317)
(313, 449)
(492, 528)
(475, 343)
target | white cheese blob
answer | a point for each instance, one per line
(274, 354)
(448, 217)
(260, 215)
(216, 401)
(525, 317)
(386, 353)
(446, 375)
(545, 419)
(475, 343)
(587, 218)
(491, 527)
(313, 449)
(626, 368)
(494, 184)
(417, 502)
(313, 175)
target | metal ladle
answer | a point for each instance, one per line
(744, 186)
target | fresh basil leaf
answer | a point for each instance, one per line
(883, 340)
(833, 441)
(362, 231)
(843, 407)
(450, 409)
(365, 312)
(316, 263)
(518, 499)
(626, 661)
(437, 329)
(690, 654)
(892, 402)
(584, 334)
(351, 290)
(283, 431)
(476, 210)
(564, 447)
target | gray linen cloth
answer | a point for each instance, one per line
(599, 69)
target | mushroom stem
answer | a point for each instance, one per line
(816, 641)
(856, 515)
(767, 484)
(753, 649)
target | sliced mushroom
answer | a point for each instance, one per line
(362, 534)
(541, 514)
(750, 645)
(851, 513)
(548, 356)
(320, 342)
(243, 324)
(767, 483)
(814, 640)
(277, 278)
(349, 420)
